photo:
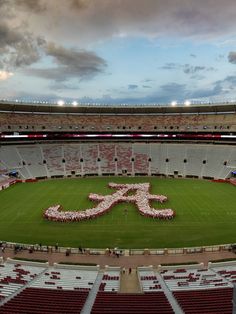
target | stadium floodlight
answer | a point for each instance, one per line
(74, 103)
(61, 103)
(173, 103)
(187, 103)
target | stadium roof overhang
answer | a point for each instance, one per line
(115, 109)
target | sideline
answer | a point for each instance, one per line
(132, 261)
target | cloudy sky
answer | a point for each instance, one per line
(118, 51)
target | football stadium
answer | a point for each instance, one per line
(181, 159)
(117, 157)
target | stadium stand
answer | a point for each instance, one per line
(141, 156)
(6, 181)
(152, 302)
(13, 276)
(53, 154)
(28, 288)
(37, 288)
(148, 280)
(124, 154)
(136, 157)
(161, 119)
(107, 151)
(38, 301)
(10, 158)
(90, 157)
(110, 280)
(33, 159)
(205, 301)
(193, 279)
(226, 270)
(44, 160)
(72, 156)
(199, 290)
(66, 279)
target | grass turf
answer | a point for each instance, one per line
(205, 214)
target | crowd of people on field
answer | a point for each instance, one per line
(141, 199)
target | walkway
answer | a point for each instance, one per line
(132, 261)
(129, 282)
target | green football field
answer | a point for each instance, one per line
(205, 214)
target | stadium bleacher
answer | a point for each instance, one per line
(44, 160)
(153, 302)
(183, 121)
(37, 288)
(38, 301)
